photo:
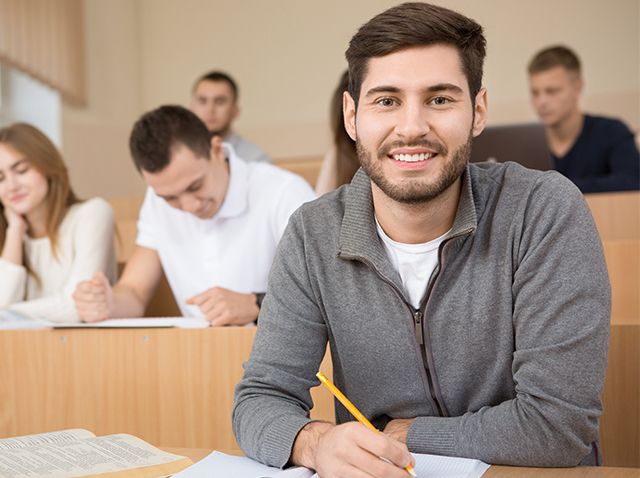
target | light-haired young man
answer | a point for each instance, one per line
(597, 153)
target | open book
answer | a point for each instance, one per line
(79, 453)
(427, 466)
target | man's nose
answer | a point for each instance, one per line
(189, 203)
(413, 122)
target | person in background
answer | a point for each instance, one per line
(50, 240)
(209, 220)
(341, 161)
(598, 154)
(214, 99)
(466, 306)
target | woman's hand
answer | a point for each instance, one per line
(16, 228)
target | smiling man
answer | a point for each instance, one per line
(209, 220)
(597, 153)
(466, 305)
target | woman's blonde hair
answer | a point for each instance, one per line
(41, 153)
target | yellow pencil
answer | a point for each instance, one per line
(353, 410)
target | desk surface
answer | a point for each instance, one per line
(494, 472)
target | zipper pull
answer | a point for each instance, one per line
(417, 318)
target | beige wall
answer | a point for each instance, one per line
(287, 54)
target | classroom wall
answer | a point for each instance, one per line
(287, 55)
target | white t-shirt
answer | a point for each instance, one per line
(235, 248)
(85, 246)
(414, 262)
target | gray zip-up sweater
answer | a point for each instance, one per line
(504, 361)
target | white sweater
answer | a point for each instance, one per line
(85, 246)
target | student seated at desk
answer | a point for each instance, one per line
(210, 220)
(466, 305)
(598, 154)
(50, 240)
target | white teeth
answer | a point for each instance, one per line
(413, 158)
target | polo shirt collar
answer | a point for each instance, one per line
(236, 200)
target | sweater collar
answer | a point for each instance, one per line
(358, 236)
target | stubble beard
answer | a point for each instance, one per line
(415, 191)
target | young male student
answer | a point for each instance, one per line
(597, 153)
(466, 305)
(214, 100)
(209, 220)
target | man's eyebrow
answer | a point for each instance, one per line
(445, 87)
(382, 89)
(173, 196)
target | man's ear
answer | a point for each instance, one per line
(349, 113)
(217, 152)
(480, 112)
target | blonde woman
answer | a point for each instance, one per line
(49, 240)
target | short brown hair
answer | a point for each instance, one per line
(416, 24)
(552, 57)
(217, 75)
(157, 132)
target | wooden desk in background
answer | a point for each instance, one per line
(493, 472)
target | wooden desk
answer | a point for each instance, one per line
(493, 472)
(170, 387)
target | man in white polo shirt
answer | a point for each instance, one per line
(210, 220)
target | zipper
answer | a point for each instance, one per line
(417, 318)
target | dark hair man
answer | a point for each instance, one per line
(214, 99)
(597, 153)
(209, 220)
(466, 305)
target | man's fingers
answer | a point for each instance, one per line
(385, 447)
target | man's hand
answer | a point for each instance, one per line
(94, 298)
(350, 449)
(398, 429)
(225, 307)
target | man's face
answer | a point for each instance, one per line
(415, 121)
(555, 94)
(214, 104)
(190, 183)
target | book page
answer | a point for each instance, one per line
(58, 437)
(107, 456)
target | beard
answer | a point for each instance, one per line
(415, 190)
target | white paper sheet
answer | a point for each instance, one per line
(427, 466)
(146, 322)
